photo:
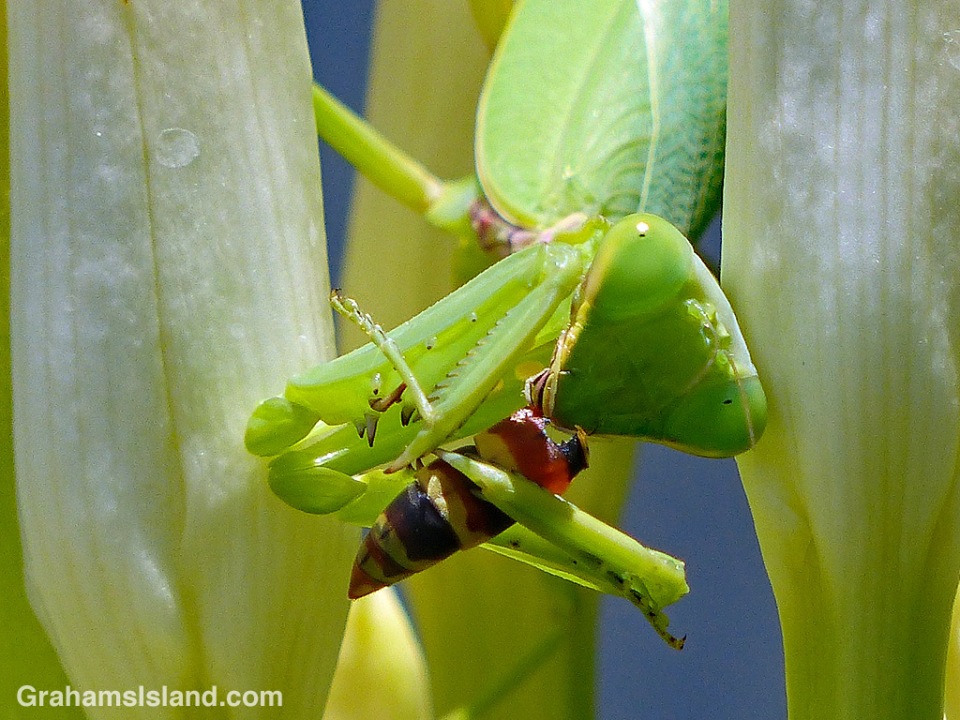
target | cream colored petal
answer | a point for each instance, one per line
(168, 271)
(381, 672)
(841, 232)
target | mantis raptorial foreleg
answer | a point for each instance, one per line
(647, 578)
(469, 381)
(634, 287)
(471, 356)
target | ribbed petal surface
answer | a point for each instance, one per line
(168, 271)
(842, 257)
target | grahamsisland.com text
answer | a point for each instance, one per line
(29, 696)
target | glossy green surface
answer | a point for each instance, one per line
(653, 350)
(606, 107)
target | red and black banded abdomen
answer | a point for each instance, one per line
(432, 518)
(442, 511)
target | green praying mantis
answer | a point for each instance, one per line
(599, 318)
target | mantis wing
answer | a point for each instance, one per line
(606, 107)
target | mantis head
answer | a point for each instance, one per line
(653, 349)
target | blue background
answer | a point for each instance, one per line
(732, 665)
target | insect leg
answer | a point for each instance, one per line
(471, 379)
(441, 341)
(647, 578)
(349, 309)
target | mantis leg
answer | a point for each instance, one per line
(456, 351)
(472, 378)
(647, 578)
(349, 309)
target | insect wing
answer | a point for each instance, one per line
(607, 107)
(435, 516)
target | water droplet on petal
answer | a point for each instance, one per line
(176, 147)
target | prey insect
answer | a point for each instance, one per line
(442, 511)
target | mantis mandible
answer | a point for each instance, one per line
(679, 367)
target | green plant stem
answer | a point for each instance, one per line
(378, 159)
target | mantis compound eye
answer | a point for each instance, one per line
(641, 266)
